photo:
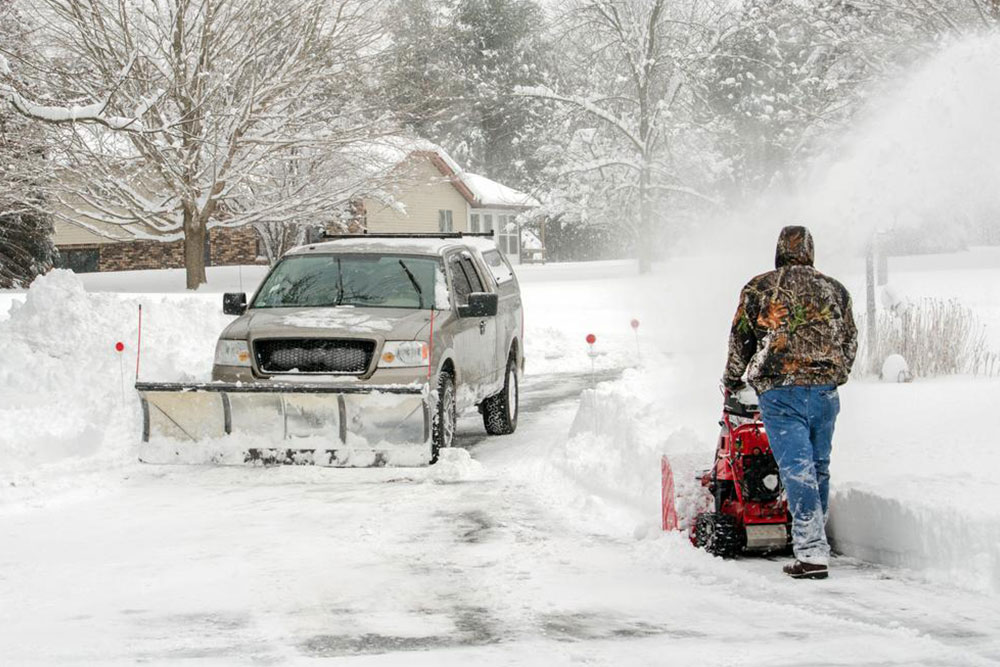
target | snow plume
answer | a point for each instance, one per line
(62, 395)
(922, 158)
(926, 154)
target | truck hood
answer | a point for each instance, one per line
(346, 321)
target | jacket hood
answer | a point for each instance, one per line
(795, 247)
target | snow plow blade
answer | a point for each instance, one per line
(285, 423)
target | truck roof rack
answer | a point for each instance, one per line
(415, 235)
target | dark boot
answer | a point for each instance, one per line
(800, 570)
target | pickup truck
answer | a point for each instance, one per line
(442, 310)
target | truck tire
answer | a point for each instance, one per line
(445, 416)
(500, 410)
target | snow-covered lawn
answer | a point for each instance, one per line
(540, 548)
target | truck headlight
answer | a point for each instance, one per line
(232, 353)
(404, 354)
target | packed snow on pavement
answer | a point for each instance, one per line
(539, 548)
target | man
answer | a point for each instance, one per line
(794, 335)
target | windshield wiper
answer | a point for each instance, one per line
(340, 283)
(416, 285)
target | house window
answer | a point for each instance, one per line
(445, 223)
(487, 223)
(474, 222)
(507, 234)
(79, 261)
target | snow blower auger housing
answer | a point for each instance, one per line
(751, 511)
(358, 351)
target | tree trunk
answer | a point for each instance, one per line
(194, 249)
(645, 232)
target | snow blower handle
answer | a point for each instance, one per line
(728, 391)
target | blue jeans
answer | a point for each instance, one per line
(799, 423)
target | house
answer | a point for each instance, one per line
(430, 192)
(417, 187)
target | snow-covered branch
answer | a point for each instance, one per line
(95, 112)
(584, 104)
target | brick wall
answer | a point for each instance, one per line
(235, 245)
(141, 255)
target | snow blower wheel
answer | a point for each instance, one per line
(718, 534)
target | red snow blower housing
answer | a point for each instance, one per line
(751, 511)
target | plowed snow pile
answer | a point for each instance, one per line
(62, 401)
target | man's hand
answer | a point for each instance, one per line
(734, 387)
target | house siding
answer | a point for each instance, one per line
(424, 192)
(65, 234)
(236, 245)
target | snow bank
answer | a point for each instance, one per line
(914, 480)
(870, 524)
(66, 394)
(611, 458)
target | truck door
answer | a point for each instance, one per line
(508, 320)
(475, 338)
(490, 373)
(465, 334)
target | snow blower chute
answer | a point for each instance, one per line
(285, 423)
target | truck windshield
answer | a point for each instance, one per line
(384, 281)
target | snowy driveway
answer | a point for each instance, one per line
(290, 565)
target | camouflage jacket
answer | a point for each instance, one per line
(794, 325)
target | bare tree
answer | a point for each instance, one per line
(635, 59)
(25, 233)
(209, 98)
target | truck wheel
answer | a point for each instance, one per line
(445, 416)
(718, 534)
(500, 410)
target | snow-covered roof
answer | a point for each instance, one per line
(490, 193)
(385, 153)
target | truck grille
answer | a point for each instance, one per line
(313, 355)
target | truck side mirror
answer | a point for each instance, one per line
(234, 303)
(481, 304)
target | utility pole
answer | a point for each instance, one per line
(870, 302)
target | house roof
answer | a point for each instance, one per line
(388, 152)
(385, 153)
(490, 194)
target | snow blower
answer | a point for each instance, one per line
(751, 510)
